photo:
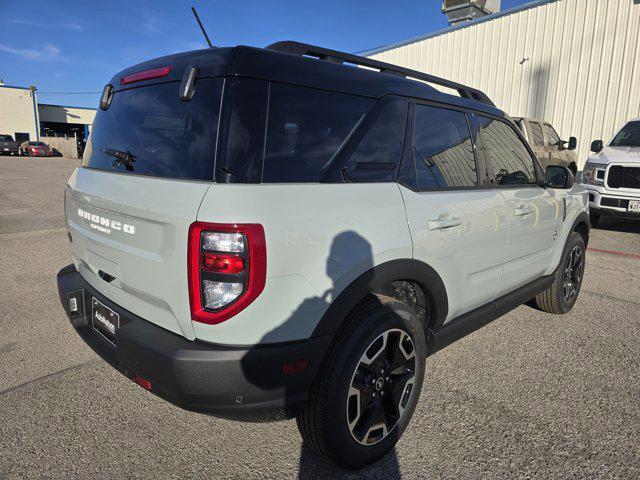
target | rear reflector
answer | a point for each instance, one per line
(289, 368)
(145, 75)
(143, 382)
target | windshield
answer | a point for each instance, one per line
(37, 144)
(151, 131)
(629, 136)
(6, 138)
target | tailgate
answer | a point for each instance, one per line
(129, 241)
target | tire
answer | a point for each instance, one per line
(594, 219)
(560, 297)
(334, 422)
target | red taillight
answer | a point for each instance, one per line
(218, 262)
(145, 75)
(227, 269)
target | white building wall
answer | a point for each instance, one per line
(17, 112)
(582, 72)
(62, 114)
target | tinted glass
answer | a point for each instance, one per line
(243, 126)
(629, 136)
(509, 159)
(538, 137)
(155, 133)
(442, 150)
(552, 135)
(377, 155)
(37, 144)
(6, 138)
(306, 130)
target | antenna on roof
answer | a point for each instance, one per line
(204, 32)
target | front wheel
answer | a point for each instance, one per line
(560, 297)
(368, 389)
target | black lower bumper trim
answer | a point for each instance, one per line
(244, 383)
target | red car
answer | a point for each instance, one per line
(36, 149)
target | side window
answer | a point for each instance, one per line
(442, 151)
(509, 160)
(306, 130)
(377, 155)
(538, 137)
(552, 135)
(244, 113)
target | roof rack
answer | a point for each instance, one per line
(334, 56)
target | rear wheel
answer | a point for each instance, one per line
(365, 396)
(560, 297)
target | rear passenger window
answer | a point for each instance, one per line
(442, 153)
(538, 137)
(509, 159)
(306, 130)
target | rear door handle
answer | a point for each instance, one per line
(442, 223)
(523, 210)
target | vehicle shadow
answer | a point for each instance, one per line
(344, 247)
(617, 224)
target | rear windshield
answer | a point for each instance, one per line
(151, 131)
(6, 138)
(37, 144)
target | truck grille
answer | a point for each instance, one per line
(623, 177)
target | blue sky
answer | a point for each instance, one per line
(76, 46)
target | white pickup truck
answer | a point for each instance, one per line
(612, 175)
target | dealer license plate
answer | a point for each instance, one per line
(105, 321)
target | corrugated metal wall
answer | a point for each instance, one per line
(582, 72)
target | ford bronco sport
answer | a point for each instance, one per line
(268, 233)
(612, 175)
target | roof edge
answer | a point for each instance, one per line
(444, 31)
(65, 106)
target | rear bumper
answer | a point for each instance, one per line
(242, 383)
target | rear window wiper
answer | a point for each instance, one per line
(121, 158)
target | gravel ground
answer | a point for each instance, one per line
(530, 395)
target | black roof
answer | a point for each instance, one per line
(294, 68)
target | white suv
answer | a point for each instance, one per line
(259, 233)
(612, 175)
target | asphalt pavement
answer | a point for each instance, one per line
(529, 396)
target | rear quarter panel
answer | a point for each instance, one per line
(319, 238)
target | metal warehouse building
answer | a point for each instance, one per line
(574, 63)
(22, 117)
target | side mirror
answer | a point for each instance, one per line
(597, 146)
(559, 176)
(573, 143)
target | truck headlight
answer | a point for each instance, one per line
(593, 173)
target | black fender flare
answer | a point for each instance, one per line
(583, 217)
(402, 269)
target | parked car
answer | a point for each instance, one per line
(36, 149)
(8, 146)
(308, 267)
(612, 175)
(547, 145)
